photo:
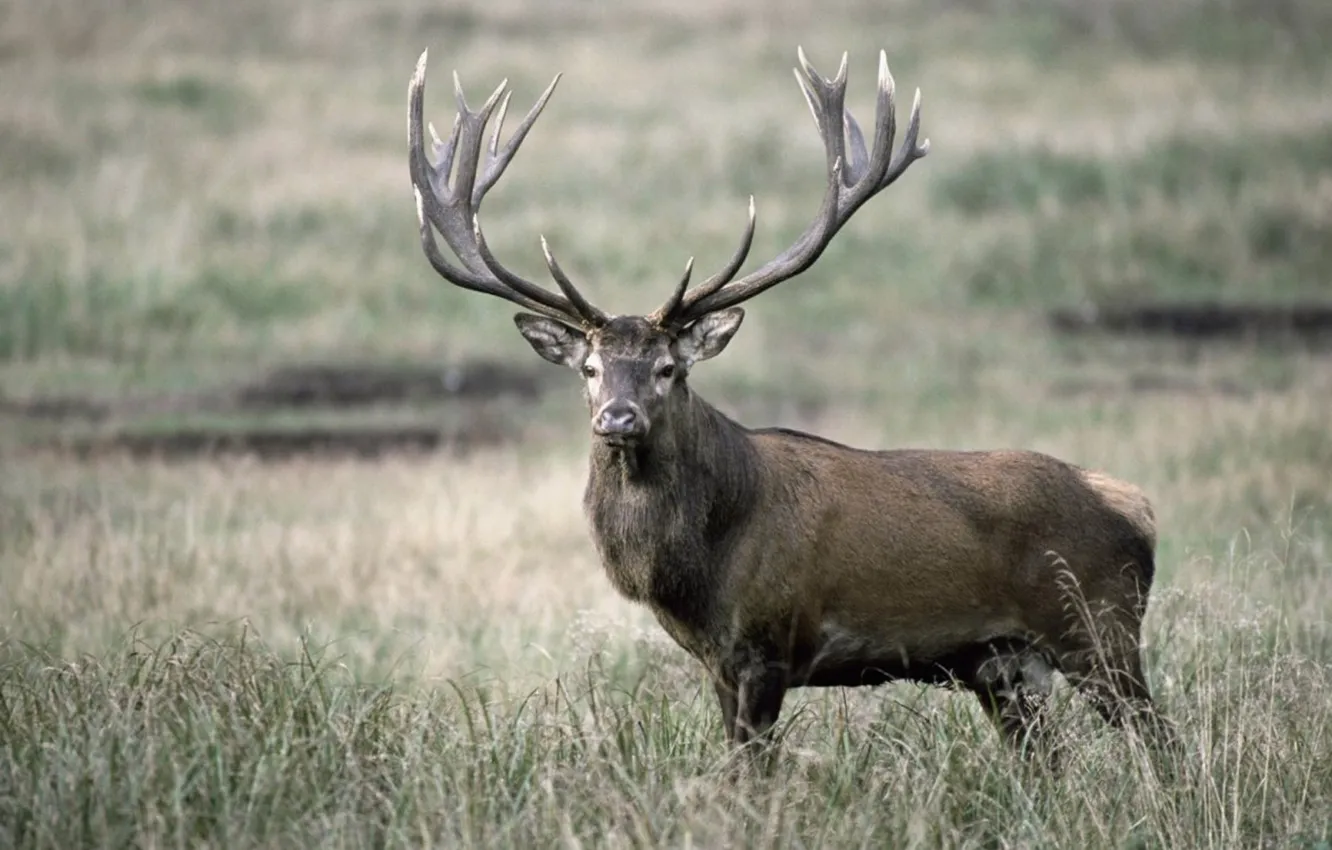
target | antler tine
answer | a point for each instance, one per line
(721, 278)
(499, 124)
(827, 101)
(570, 291)
(885, 111)
(499, 161)
(910, 151)
(662, 315)
(681, 301)
(443, 150)
(855, 175)
(472, 131)
(451, 207)
(466, 279)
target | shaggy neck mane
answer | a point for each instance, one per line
(664, 515)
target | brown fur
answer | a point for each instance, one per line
(780, 559)
(1126, 499)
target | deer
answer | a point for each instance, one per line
(780, 559)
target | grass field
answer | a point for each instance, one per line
(422, 650)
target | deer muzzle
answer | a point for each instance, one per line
(620, 422)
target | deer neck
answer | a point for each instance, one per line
(663, 515)
(701, 453)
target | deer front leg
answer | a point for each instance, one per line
(760, 687)
(750, 702)
(750, 678)
(727, 698)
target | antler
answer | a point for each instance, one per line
(854, 176)
(453, 209)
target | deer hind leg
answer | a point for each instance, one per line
(1103, 660)
(1013, 684)
(1118, 690)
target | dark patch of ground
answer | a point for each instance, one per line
(307, 386)
(280, 444)
(1136, 382)
(361, 385)
(1306, 325)
(452, 408)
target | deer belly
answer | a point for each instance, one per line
(850, 658)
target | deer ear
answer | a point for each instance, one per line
(708, 336)
(555, 341)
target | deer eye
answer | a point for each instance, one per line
(666, 371)
(589, 371)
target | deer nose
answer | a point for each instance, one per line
(619, 419)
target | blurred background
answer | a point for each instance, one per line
(227, 371)
(291, 544)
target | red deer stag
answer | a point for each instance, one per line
(781, 559)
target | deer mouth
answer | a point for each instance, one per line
(621, 441)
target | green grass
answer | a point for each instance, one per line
(1246, 31)
(1187, 217)
(1178, 170)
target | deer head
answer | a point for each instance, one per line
(634, 366)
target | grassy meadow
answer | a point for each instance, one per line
(422, 650)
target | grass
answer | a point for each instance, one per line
(205, 740)
(415, 652)
(1250, 31)
(1243, 218)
